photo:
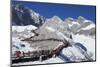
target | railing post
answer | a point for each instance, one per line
(40, 58)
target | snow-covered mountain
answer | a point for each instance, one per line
(79, 32)
(80, 26)
(22, 15)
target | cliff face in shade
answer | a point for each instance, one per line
(22, 15)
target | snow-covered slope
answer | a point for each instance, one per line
(23, 31)
(72, 54)
(80, 26)
(88, 42)
(79, 32)
(19, 33)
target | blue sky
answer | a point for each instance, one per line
(49, 10)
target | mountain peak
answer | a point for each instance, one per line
(80, 19)
(69, 19)
(57, 19)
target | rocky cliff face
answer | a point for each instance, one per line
(22, 15)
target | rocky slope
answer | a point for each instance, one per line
(22, 15)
